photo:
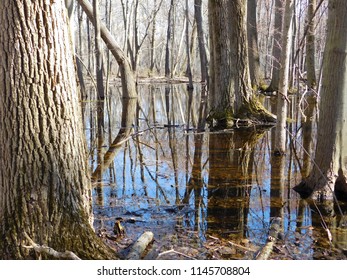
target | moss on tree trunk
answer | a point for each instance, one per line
(251, 112)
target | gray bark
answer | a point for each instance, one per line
(44, 181)
(127, 75)
(201, 41)
(282, 99)
(98, 51)
(253, 53)
(310, 45)
(328, 174)
(276, 49)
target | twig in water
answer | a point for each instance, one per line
(175, 252)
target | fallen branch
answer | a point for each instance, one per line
(275, 227)
(175, 252)
(49, 251)
(241, 247)
(140, 246)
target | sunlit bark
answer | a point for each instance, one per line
(282, 99)
(44, 182)
(127, 75)
(329, 171)
(231, 94)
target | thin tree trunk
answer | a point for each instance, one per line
(168, 42)
(189, 69)
(276, 49)
(201, 40)
(282, 99)
(152, 46)
(310, 45)
(98, 52)
(127, 75)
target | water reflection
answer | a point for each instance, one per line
(158, 169)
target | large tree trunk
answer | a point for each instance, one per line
(221, 97)
(44, 182)
(230, 81)
(329, 172)
(230, 87)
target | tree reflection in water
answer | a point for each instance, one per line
(162, 171)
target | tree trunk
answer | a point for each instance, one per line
(45, 187)
(276, 49)
(201, 40)
(127, 75)
(152, 42)
(282, 99)
(189, 69)
(168, 42)
(310, 45)
(98, 52)
(229, 60)
(329, 172)
(253, 53)
(230, 87)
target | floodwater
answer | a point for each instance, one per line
(204, 194)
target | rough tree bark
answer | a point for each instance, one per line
(230, 87)
(328, 174)
(44, 181)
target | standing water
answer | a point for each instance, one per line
(204, 194)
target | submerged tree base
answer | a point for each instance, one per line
(252, 112)
(324, 189)
(256, 112)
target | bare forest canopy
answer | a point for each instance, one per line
(141, 29)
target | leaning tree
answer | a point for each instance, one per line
(328, 175)
(44, 183)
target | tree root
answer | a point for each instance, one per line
(256, 112)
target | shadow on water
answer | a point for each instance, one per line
(204, 194)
